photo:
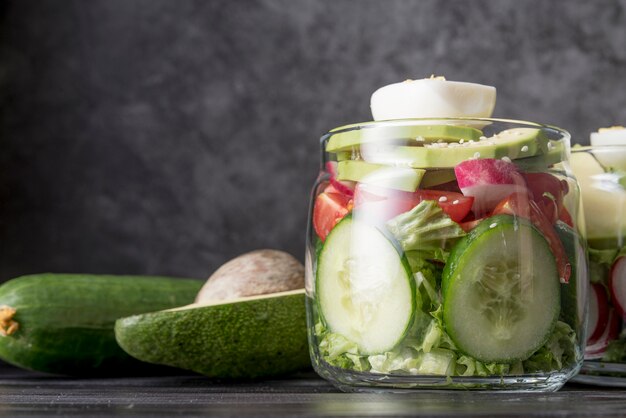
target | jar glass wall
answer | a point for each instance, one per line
(601, 171)
(446, 253)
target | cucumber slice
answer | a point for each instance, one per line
(364, 287)
(501, 291)
(357, 135)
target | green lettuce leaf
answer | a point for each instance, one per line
(425, 227)
(558, 352)
(603, 256)
(427, 280)
(616, 351)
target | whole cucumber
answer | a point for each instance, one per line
(63, 323)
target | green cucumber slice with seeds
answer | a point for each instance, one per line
(364, 287)
(501, 292)
(342, 139)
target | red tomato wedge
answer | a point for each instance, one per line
(388, 203)
(329, 208)
(520, 204)
(547, 191)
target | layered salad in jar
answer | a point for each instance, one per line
(601, 171)
(443, 243)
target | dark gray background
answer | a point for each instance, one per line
(169, 136)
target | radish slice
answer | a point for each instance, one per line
(598, 313)
(617, 285)
(488, 181)
(609, 333)
(343, 187)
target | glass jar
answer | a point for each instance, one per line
(446, 254)
(601, 171)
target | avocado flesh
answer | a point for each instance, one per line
(399, 178)
(398, 134)
(519, 143)
(246, 338)
(604, 202)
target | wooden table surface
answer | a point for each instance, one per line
(24, 393)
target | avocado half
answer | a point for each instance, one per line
(257, 336)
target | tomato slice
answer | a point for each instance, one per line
(520, 204)
(455, 205)
(547, 191)
(467, 226)
(329, 208)
(385, 204)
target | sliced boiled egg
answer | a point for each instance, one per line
(433, 97)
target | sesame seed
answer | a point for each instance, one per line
(461, 141)
(420, 139)
(443, 199)
(562, 280)
(525, 148)
(550, 145)
(506, 159)
(477, 155)
(482, 137)
(455, 202)
(493, 225)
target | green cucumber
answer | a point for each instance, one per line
(347, 137)
(365, 289)
(500, 288)
(65, 321)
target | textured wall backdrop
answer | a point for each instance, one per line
(148, 136)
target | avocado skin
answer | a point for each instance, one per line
(247, 339)
(66, 320)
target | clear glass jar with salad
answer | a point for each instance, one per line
(601, 171)
(445, 253)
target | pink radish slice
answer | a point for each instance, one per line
(617, 285)
(598, 313)
(343, 187)
(610, 332)
(488, 181)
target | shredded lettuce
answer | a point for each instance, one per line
(603, 256)
(427, 277)
(616, 351)
(558, 352)
(425, 227)
(598, 273)
(429, 350)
